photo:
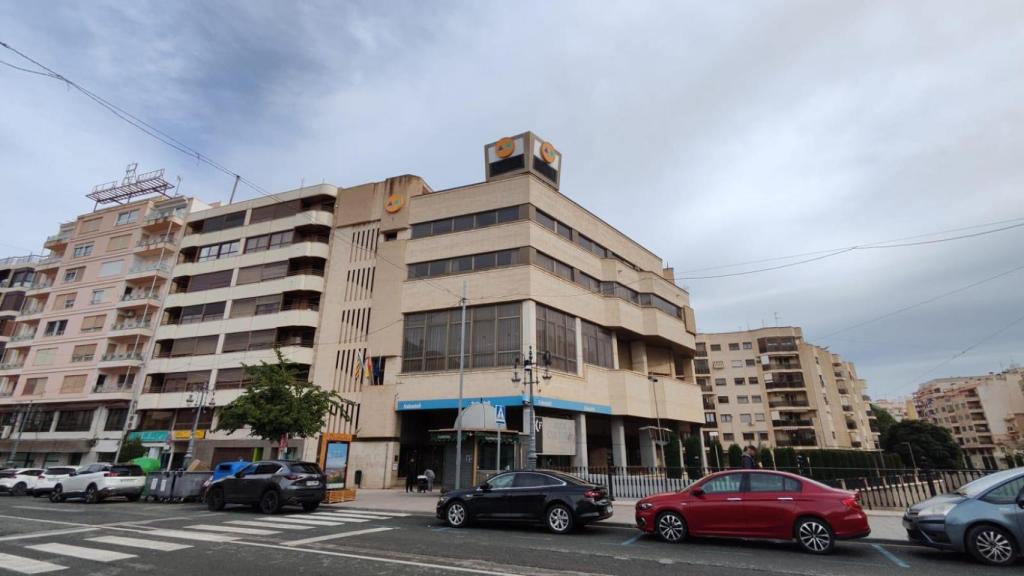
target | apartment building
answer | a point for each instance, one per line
(900, 408)
(770, 387)
(984, 413)
(16, 275)
(86, 323)
(248, 277)
(541, 273)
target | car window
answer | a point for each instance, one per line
(58, 471)
(126, 471)
(793, 485)
(502, 481)
(534, 480)
(250, 469)
(33, 472)
(268, 468)
(1006, 493)
(723, 484)
(766, 482)
(224, 468)
(304, 468)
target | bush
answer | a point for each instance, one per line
(691, 451)
(716, 458)
(673, 467)
(132, 449)
(767, 458)
(735, 456)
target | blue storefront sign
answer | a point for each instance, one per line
(541, 401)
(148, 436)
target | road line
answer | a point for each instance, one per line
(279, 525)
(395, 514)
(140, 543)
(94, 554)
(343, 518)
(335, 536)
(355, 515)
(27, 565)
(892, 557)
(46, 534)
(303, 521)
(232, 530)
(632, 540)
(186, 535)
(51, 509)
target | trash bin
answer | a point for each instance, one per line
(188, 486)
(159, 486)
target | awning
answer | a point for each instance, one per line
(47, 445)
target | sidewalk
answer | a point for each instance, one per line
(886, 526)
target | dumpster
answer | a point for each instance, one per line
(159, 486)
(188, 486)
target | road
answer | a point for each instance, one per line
(117, 538)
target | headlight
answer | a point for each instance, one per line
(442, 500)
(644, 506)
(936, 509)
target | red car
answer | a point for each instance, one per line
(756, 504)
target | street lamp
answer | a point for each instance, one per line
(910, 448)
(199, 403)
(529, 379)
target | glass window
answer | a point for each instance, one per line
(493, 338)
(597, 345)
(716, 347)
(720, 381)
(111, 268)
(73, 275)
(723, 399)
(82, 250)
(268, 468)
(556, 337)
(766, 482)
(734, 346)
(739, 381)
(723, 484)
(484, 261)
(462, 223)
(501, 481)
(128, 217)
(97, 296)
(210, 281)
(1006, 493)
(534, 480)
(116, 418)
(747, 346)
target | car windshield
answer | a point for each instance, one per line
(58, 471)
(304, 468)
(981, 485)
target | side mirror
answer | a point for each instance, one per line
(485, 487)
(697, 492)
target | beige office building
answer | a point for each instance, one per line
(984, 413)
(770, 387)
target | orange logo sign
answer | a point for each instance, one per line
(394, 203)
(504, 147)
(547, 152)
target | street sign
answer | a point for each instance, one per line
(499, 414)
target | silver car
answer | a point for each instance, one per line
(984, 518)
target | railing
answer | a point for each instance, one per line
(788, 403)
(121, 356)
(10, 260)
(903, 488)
(792, 423)
(31, 310)
(154, 217)
(51, 260)
(60, 237)
(40, 285)
(155, 241)
(112, 388)
(131, 325)
(12, 365)
(773, 385)
(21, 284)
(22, 337)
(147, 295)
(161, 266)
(631, 481)
(83, 358)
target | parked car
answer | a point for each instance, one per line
(270, 484)
(222, 470)
(984, 518)
(559, 501)
(97, 482)
(49, 478)
(18, 481)
(756, 504)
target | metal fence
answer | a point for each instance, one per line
(631, 481)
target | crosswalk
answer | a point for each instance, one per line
(227, 527)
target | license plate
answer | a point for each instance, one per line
(312, 482)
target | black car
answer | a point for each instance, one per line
(270, 484)
(559, 501)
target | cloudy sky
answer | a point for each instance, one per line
(714, 133)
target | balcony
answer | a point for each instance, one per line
(149, 269)
(119, 359)
(112, 387)
(12, 365)
(788, 403)
(131, 329)
(784, 385)
(41, 285)
(164, 219)
(793, 423)
(851, 425)
(57, 240)
(795, 442)
(83, 358)
(155, 244)
(31, 310)
(50, 262)
(140, 298)
(22, 337)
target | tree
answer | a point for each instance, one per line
(673, 466)
(716, 457)
(691, 448)
(766, 458)
(735, 456)
(933, 446)
(132, 449)
(883, 420)
(279, 405)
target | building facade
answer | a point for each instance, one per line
(984, 414)
(770, 387)
(900, 408)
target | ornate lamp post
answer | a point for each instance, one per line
(529, 379)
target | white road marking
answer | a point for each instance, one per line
(186, 535)
(281, 525)
(82, 552)
(303, 521)
(396, 514)
(140, 543)
(46, 534)
(232, 529)
(27, 565)
(61, 509)
(355, 515)
(335, 536)
(339, 517)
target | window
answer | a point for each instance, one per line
(755, 398)
(1006, 493)
(198, 346)
(267, 469)
(742, 400)
(127, 217)
(587, 281)
(98, 296)
(752, 380)
(64, 301)
(502, 481)
(534, 480)
(716, 347)
(258, 306)
(89, 226)
(93, 323)
(461, 264)
(55, 328)
(111, 268)
(262, 273)
(723, 484)
(493, 338)
(215, 223)
(275, 211)
(748, 436)
(597, 345)
(762, 482)
(734, 346)
(746, 419)
(759, 417)
(467, 222)
(727, 437)
(556, 336)
(720, 381)
(269, 241)
(34, 386)
(210, 281)
(750, 362)
(218, 251)
(202, 313)
(739, 381)
(73, 384)
(45, 356)
(244, 341)
(700, 366)
(83, 353)
(655, 301)
(82, 250)
(39, 422)
(554, 225)
(727, 418)
(747, 345)
(737, 364)
(232, 378)
(73, 275)
(723, 399)
(119, 242)
(177, 382)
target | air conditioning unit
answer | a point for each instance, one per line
(133, 422)
(5, 432)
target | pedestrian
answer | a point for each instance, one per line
(750, 457)
(410, 475)
(430, 479)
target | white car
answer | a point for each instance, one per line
(49, 478)
(18, 481)
(96, 482)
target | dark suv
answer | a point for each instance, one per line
(270, 484)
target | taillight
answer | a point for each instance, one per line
(292, 477)
(852, 504)
(109, 474)
(592, 494)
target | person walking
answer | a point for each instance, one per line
(430, 479)
(750, 458)
(410, 475)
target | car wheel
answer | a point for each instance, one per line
(19, 489)
(559, 519)
(91, 495)
(270, 502)
(815, 536)
(671, 527)
(215, 500)
(455, 514)
(991, 545)
(310, 506)
(57, 494)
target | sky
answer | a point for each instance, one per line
(714, 133)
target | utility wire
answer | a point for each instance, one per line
(969, 348)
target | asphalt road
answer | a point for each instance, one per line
(119, 538)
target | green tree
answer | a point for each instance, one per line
(883, 420)
(691, 447)
(279, 405)
(933, 446)
(766, 458)
(673, 465)
(735, 456)
(132, 449)
(716, 457)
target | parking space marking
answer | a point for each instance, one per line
(276, 525)
(890, 556)
(335, 536)
(232, 530)
(94, 554)
(23, 565)
(632, 540)
(139, 543)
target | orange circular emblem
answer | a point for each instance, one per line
(504, 147)
(394, 203)
(547, 152)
